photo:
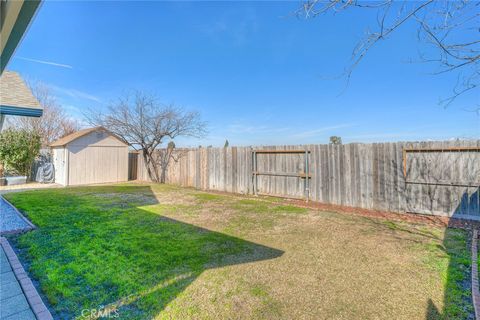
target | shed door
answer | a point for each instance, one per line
(59, 165)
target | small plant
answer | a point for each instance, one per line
(18, 149)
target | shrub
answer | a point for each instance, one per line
(18, 149)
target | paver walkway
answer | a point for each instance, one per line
(19, 299)
(13, 303)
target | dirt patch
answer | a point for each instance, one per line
(407, 217)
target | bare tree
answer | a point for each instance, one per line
(450, 27)
(53, 124)
(146, 124)
(164, 156)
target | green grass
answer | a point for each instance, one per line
(450, 257)
(92, 251)
(453, 261)
(208, 197)
(456, 278)
(156, 251)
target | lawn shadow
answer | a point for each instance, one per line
(97, 251)
(453, 246)
(458, 303)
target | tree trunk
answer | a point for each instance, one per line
(163, 176)
(149, 164)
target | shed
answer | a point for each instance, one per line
(89, 156)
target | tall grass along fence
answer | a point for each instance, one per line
(440, 178)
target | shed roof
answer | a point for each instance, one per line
(74, 136)
(16, 98)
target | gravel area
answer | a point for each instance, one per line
(10, 220)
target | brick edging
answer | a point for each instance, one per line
(475, 284)
(34, 300)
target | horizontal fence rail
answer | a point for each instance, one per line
(437, 178)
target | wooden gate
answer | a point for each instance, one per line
(443, 181)
(281, 176)
(132, 165)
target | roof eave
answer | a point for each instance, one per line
(21, 111)
(21, 20)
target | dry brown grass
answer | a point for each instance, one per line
(334, 266)
(175, 253)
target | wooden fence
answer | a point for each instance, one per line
(440, 178)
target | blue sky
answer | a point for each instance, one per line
(257, 74)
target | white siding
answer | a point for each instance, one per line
(95, 158)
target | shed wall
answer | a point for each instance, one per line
(97, 157)
(89, 165)
(97, 139)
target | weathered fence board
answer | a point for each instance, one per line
(360, 175)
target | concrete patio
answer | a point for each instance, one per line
(27, 187)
